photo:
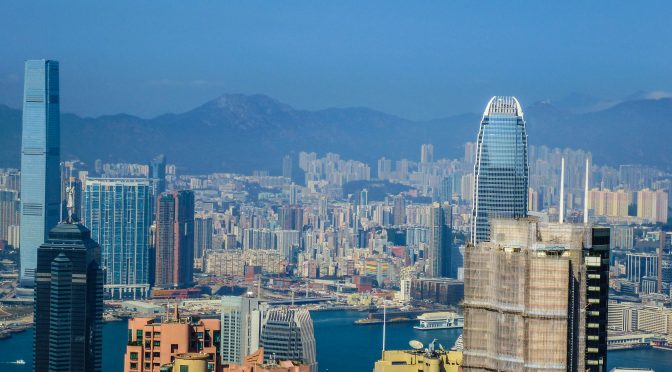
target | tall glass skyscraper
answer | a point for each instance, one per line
(68, 302)
(174, 239)
(500, 170)
(40, 157)
(118, 212)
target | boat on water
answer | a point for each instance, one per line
(439, 320)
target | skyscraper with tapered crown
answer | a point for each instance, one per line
(501, 169)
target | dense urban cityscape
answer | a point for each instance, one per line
(513, 256)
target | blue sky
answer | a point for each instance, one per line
(417, 59)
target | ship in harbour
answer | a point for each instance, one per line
(439, 320)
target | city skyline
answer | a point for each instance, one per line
(358, 214)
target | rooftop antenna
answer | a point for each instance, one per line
(562, 192)
(586, 195)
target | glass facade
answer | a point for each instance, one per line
(501, 169)
(68, 315)
(40, 157)
(118, 212)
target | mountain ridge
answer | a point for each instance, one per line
(241, 133)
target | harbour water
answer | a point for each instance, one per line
(341, 345)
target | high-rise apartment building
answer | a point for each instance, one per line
(153, 343)
(609, 203)
(500, 169)
(118, 212)
(535, 295)
(40, 157)
(622, 237)
(440, 241)
(652, 205)
(68, 302)
(9, 212)
(469, 153)
(399, 210)
(287, 167)
(291, 217)
(426, 153)
(174, 239)
(287, 334)
(203, 231)
(384, 168)
(241, 327)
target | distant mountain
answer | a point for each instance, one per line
(241, 133)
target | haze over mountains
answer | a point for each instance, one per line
(241, 133)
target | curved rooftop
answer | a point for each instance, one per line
(503, 105)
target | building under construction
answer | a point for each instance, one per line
(527, 295)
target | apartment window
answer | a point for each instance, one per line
(157, 343)
(134, 365)
(134, 355)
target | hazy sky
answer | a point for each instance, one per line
(417, 59)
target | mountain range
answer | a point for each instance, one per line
(241, 133)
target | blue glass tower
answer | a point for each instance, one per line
(501, 169)
(118, 212)
(40, 157)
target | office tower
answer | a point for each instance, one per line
(596, 279)
(9, 212)
(157, 174)
(500, 170)
(440, 241)
(287, 167)
(652, 205)
(447, 188)
(287, 334)
(399, 210)
(203, 231)
(467, 187)
(640, 265)
(174, 239)
(364, 198)
(527, 294)
(40, 157)
(426, 153)
(68, 301)
(155, 342)
(240, 327)
(117, 210)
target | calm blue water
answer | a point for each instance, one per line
(341, 345)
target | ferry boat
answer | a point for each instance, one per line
(440, 320)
